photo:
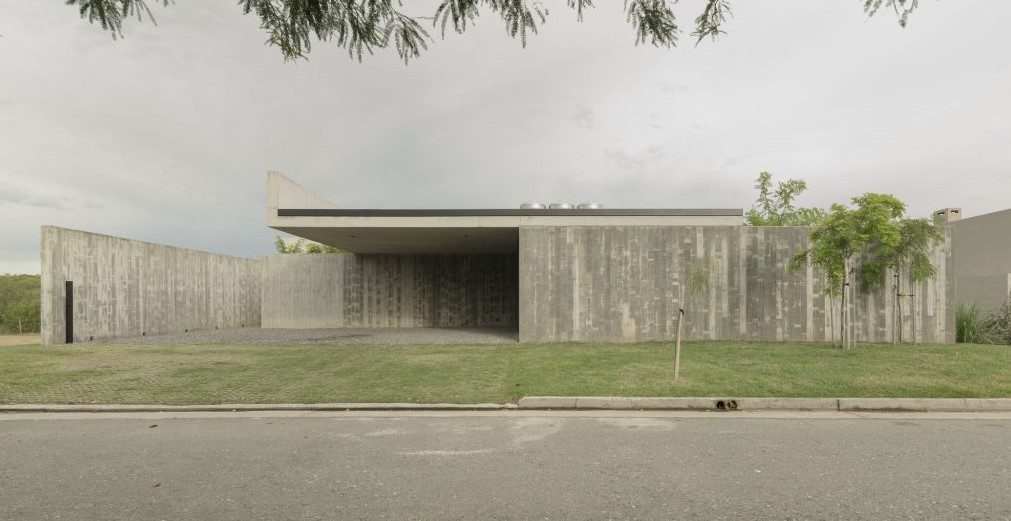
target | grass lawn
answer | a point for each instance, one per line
(20, 340)
(209, 374)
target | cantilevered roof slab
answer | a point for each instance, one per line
(437, 240)
(294, 210)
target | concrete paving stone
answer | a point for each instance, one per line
(547, 402)
(988, 404)
(788, 404)
(901, 404)
(674, 403)
(604, 402)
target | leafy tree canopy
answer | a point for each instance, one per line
(876, 229)
(363, 26)
(775, 207)
(304, 246)
(877, 232)
(20, 303)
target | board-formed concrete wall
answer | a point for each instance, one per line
(621, 284)
(125, 288)
(345, 290)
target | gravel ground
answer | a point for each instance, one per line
(254, 335)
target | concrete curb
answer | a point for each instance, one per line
(926, 404)
(770, 404)
(578, 402)
(261, 407)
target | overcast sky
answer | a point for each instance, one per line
(166, 135)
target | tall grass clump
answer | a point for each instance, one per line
(974, 326)
(970, 325)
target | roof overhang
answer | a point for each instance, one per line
(294, 210)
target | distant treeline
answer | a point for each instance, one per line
(20, 303)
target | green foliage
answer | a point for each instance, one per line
(699, 279)
(111, 13)
(652, 20)
(902, 8)
(908, 249)
(711, 21)
(364, 26)
(973, 326)
(304, 246)
(877, 229)
(969, 326)
(20, 303)
(775, 207)
(997, 324)
(833, 242)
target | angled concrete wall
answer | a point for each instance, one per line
(125, 288)
(622, 284)
(346, 290)
(982, 246)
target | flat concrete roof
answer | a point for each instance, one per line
(295, 210)
(609, 212)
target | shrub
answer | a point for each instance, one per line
(997, 324)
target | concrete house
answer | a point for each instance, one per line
(563, 274)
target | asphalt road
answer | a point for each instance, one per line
(503, 465)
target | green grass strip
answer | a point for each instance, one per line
(210, 374)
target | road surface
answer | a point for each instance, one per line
(504, 465)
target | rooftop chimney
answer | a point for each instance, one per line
(947, 215)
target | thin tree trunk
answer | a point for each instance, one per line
(842, 311)
(895, 309)
(913, 313)
(677, 343)
(898, 299)
(831, 319)
(677, 348)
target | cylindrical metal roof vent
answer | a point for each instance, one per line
(590, 206)
(560, 206)
(532, 206)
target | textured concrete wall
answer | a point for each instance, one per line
(987, 292)
(124, 287)
(982, 247)
(322, 291)
(622, 284)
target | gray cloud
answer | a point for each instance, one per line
(583, 117)
(645, 159)
(11, 194)
(166, 135)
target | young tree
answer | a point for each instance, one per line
(911, 251)
(775, 207)
(698, 283)
(834, 242)
(876, 230)
(364, 26)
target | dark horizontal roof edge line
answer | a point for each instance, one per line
(606, 212)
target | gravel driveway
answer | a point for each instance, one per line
(254, 335)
